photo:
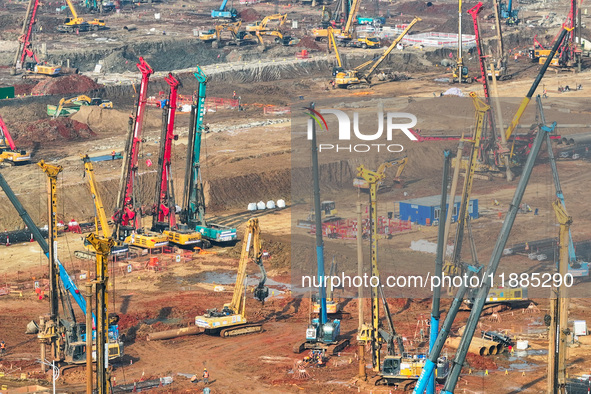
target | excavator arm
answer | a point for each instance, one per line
(250, 242)
(390, 48)
(401, 164)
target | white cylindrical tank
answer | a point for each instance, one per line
(261, 205)
(252, 206)
(280, 203)
(270, 204)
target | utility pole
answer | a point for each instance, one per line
(103, 249)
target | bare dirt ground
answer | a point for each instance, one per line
(247, 158)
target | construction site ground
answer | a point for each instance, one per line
(248, 157)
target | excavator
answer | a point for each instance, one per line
(77, 24)
(224, 13)
(193, 208)
(238, 37)
(101, 223)
(261, 29)
(8, 151)
(164, 209)
(72, 105)
(364, 186)
(231, 320)
(280, 20)
(127, 217)
(279, 37)
(356, 78)
(61, 331)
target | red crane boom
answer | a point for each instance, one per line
(5, 138)
(166, 207)
(126, 203)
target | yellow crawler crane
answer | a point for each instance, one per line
(354, 79)
(231, 319)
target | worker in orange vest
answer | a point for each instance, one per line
(205, 376)
(2, 348)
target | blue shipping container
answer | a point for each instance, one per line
(425, 210)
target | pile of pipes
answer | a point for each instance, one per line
(478, 346)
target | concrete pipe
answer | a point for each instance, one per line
(130, 27)
(169, 334)
(454, 343)
(576, 139)
(490, 346)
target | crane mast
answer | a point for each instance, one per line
(463, 216)
(165, 203)
(493, 264)
(100, 214)
(557, 335)
(373, 179)
(25, 47)
(126, 200)
(193, 198)
(572, 256)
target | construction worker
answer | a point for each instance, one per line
(113, 155)
(205, 376)
(2, 348)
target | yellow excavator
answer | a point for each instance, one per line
(262, 25)
(101, 223)
(215, 35)
(262, 28)
(354, 79)
(75, 23)
(70, 106)
(279, 37)
(362, 184)
(231, 320)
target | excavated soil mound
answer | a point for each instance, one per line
(69, 84)
(249, 15)
(308, 43)
(108, 120)
(51, 130)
